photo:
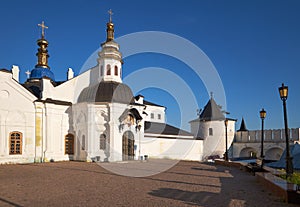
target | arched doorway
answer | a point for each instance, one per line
(273, 153)
(128, 146)
(248, 152)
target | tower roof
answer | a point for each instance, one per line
(212, 112)
(104, 91)
(243, 127)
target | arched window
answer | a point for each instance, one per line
(116, 70)
(108, 70)
(83, 142)
(102, 141)
(101, 70)
(15, 141)
(69, 144)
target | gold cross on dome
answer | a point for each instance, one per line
(110, 15)
(43, 26)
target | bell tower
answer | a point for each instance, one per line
(110, 58)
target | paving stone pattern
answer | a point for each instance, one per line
(88, 184)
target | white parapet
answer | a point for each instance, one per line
(15, 72)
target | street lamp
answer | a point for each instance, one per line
(262, 114)
(139, 126)
(283, 91)
(226, 151)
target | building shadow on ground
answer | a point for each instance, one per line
(189, 197)
(209, 195)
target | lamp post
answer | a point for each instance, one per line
(283, 91)
(226, 151)
(139, 126)
(262, 114)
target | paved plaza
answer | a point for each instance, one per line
(88, 184)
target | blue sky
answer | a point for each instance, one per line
(254, 45)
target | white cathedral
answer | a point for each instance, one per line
(95, 117)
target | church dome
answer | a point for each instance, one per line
(41, 72)
(112, 92)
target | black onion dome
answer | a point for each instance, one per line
(112, 92)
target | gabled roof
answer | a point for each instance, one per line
(152, 104)
(243, 127)
(5, 70)
(164, 129)
(211, 112)
(133, 111)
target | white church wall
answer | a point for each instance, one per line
(70, 90)
(17, 115)
(57, 125)
(90, 121)
(48, 89)
(181, 149)
(79, 117)
(92, 134)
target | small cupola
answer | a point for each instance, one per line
(42, 69)
(110, 58)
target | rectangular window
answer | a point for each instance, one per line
(159, 116)
(210, 131)
(152, 115)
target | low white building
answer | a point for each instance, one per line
(95, 117)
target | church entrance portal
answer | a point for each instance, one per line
(128, 146)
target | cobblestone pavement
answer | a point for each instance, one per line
(88, 184)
